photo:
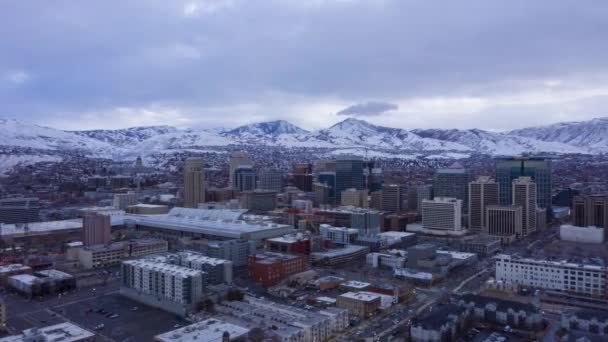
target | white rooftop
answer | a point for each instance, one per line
(180, 271)
(25, 278)
(13, 268)
(356, 284)
(208, 214)
(64, 332)
(35, 228)
(562, 263)
(458, 255)
(210, 330)
(55, 274)
(334, 252)
(362, 296)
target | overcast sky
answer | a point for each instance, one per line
(220, 63)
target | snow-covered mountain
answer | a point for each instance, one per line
(496, 143)
(591, 134)
(350, 135)
(269, 128)
(127, 136)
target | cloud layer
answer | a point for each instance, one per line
(470, 63)
(371, 108)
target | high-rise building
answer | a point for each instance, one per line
(366, 221)
(524, 195)
(302, 177)
(444, 213)
(391, 198)
(237, 159)
(452, 182)
(355, 198)
(123, 201)
(329, 178)
(504, 221)
(321, 193)
(482, 193)
(271, 179)
(19, 210)
(96, 229)
(375, 201)
(194, 182)
(244, 178)
(539, 169)
(591, 211)
(349, 174)
(423, 192)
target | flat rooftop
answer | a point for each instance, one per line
(336, 252)
(13, 268)
(562, 263)
(176, 270)
(210, 330)
(64, 332)
(356, 284)
(362, 296)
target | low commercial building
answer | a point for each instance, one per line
(379, 260)
(42, 283)
(590, 234)
(482, 245)
(339, 235)
(294, 243)
(270, 269)
(209, 330)
(354, 285)
(287, 323)
(106, 255)
(563, 276)
(169, 287)
(64, 332)
(362, 304)
(148, 209)
(590, 321)
(337, 256)
(7, 271)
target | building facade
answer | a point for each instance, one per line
(524, 196)
(194, 182)
(96, 229)
(442, 213)
(482, 193)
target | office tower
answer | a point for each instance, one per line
(591, 211)
(271, 180)
(302, 177)
(19, 210)
(376, 200)
(237, 159)
(355, 198)
(444, 213)
(349, 174)
(366, 221)
(329, 178)
(391, 198)
(123, 201)
(482, 193)
(375, 179)
(321, 193)
(504, 221)
(96, 229)
(194, 182)
(539, 169)
(325, 166)
(452, 182)
(423, 192)
(524, 195)
(244, 178)
(259, 200)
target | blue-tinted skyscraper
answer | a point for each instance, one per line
(539, 169)
(244, 179)
(329, 178)
(349, 174)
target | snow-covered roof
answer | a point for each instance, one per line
(210, 330)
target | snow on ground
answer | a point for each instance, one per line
(8, 161)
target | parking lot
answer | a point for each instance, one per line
(122, 319)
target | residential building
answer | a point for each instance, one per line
(106, 255)
(194, 182)
(169, 287)
(495, 311)
(524, 196)
(441, 324)
(442, 213)
(586, 320)
(482, 193)
(96, 229)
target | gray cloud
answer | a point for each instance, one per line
(224, 62)
(371, 108)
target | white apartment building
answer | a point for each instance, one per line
(168, 282)
(581, 279)
(442, 213)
